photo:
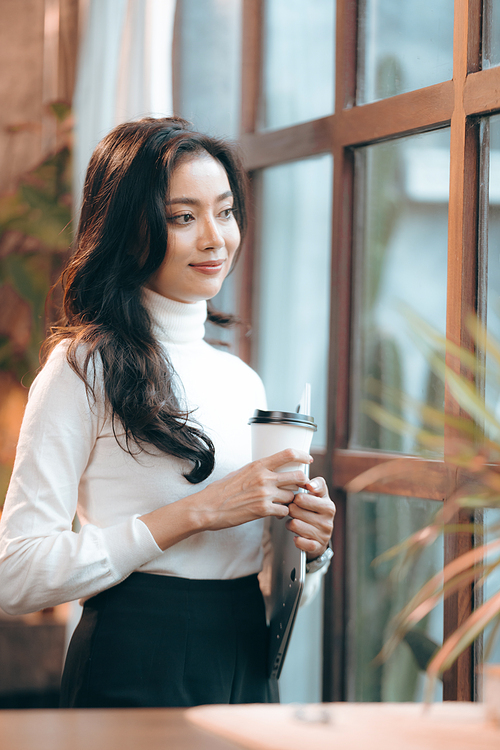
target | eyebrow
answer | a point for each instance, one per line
(194, 202)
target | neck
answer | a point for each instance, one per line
(175, 322)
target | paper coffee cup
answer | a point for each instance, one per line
(274, 431)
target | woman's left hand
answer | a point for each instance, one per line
(312, 515)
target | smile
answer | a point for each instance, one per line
(210, 267)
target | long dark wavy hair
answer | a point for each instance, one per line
(121, 241)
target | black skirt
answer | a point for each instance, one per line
(155, 640)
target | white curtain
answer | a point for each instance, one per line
(124, 71)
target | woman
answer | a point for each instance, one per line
(140, 427)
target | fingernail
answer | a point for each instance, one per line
(315, 484)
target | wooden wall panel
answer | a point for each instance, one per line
(21, 56)
(69, 34)
(34, 73)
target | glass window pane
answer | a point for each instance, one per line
(226, 302)
(400, 258)
(300, 680)
(492, 584)
(298, 61)
(376, 523)
(209, 62)
(491, 133)
(293, 282)
(491, 33)
(403, 46)
(292, 300)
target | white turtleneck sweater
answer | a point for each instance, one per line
(68, 462)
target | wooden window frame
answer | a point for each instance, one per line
(458, 104)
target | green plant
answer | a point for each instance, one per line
(473, 452)
(35, 236)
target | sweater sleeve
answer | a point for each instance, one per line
(43, 562)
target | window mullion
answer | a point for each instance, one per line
(461, 297)
(346, 46)
(251, 64)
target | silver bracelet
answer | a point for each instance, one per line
(320, 562)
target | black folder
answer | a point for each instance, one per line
(288, 572)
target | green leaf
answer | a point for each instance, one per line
(401, 427)
(465, 635)
(488, 649)
(438, 342)
(483, 341)
(467, 395)
(422, 647)
(61, 110)
(467, 448)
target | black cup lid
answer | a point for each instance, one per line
(282, 417)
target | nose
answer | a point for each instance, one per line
(210, 235)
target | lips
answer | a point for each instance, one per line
(210, 263)
(208, 266)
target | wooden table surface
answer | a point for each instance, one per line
(105, 729)
(352, 726)
(339, 726)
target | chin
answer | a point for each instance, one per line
(192, 297)
(208, 293)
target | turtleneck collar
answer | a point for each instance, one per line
(175, 322)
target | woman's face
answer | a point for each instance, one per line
(202, 232)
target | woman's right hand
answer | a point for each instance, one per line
(255, 491)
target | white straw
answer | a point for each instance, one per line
(304, 407)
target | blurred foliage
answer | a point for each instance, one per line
(380, 522)
(473, 449)
(41, 206)
(35, 237)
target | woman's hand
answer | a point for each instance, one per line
(312, 515)
(255, 491)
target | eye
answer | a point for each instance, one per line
(227, 213)
(181, 219)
